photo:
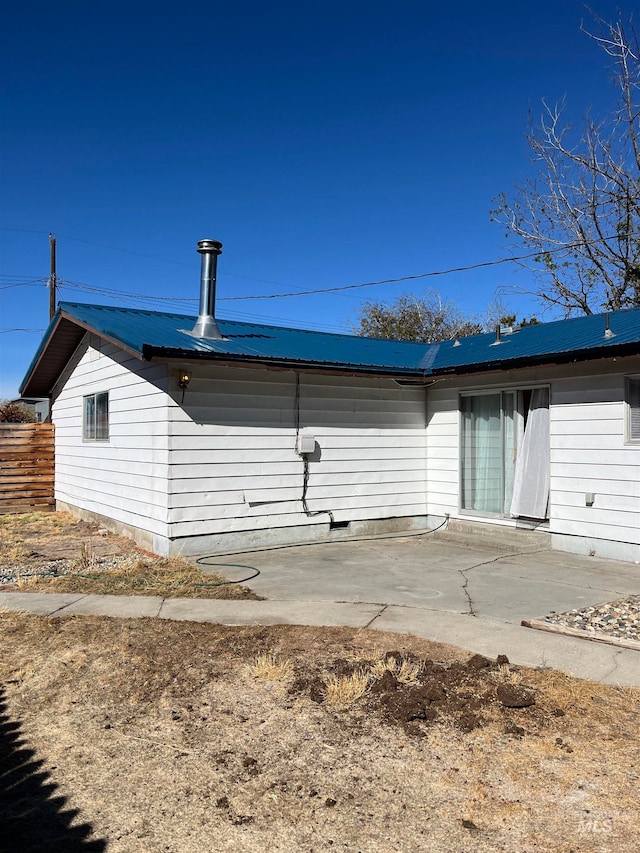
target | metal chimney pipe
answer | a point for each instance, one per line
(206, 326)
(607, 327)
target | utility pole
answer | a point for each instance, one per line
(52, 277)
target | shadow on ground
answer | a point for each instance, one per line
(32, 817)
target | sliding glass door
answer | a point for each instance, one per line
(488, 452)
(505, 453)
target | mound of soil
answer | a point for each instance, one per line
(460, 692)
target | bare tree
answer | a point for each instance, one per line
(425, 318)
(15, 413)
(581, 214)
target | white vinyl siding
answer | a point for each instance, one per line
(225, 461)
(124, 478)
(443, 450)
(589, 455)
(234, 467)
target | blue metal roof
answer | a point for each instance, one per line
(573, 339)
(153, 334)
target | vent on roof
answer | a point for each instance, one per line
(607, 327)
(206, 326)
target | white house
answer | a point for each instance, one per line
(228, 435)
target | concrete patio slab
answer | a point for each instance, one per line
(380, 571)
(436, 574)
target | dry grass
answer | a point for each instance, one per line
(591, 701)
(19, 532)
(34, 544)
(269, 667)
(507, 675)
(405, 671)
(343, 691)
(170, 577)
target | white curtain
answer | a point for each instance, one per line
(531, 478)
(482, 453)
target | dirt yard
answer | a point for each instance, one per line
(181, 737)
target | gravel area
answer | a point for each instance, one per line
(58, 568)
(620, 618)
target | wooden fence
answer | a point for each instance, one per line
(26, 467)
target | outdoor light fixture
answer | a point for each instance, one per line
(183, 381)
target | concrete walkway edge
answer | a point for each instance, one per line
(491, 637)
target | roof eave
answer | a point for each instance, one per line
(568, 357)
(30, 386)
(151, 352)
(39, 353)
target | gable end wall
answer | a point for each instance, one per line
(121, 482)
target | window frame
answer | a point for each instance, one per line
(629, 437)
(92, 422)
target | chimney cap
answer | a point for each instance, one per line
(206, 246)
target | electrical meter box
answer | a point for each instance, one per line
(306, 444)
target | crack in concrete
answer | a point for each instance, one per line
(162, 601)
(463, 573)
(371, 621)
(68, 604)
(616, 653)
(465, 585)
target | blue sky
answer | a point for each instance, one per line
(323, 144)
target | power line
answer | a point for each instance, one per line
(338, 288)
(79, 285)
(163, 260)
(430, 274)
(23, 283)
(24, 231)
(143, 299)
(139, 254)
(16, 276)
(21, 330)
